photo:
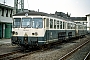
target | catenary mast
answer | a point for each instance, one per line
(18, 3)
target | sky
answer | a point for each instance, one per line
(77, 8)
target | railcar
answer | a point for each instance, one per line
(81, 29)
(37, 29)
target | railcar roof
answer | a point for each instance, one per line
(31, 13)
(41, 14)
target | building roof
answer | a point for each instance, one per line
(88, 15)
(6, 6)
(78, 18)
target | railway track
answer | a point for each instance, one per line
(87, 57)
(73, 51)
(18, 54)
(7, 55)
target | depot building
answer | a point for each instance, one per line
(6, 13)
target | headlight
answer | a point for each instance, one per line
(36, 33)
(13, 32)
(16, 33)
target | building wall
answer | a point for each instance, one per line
(5, 22)
(7, 19)
(88, 24)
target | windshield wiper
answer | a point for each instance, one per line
(38, 26)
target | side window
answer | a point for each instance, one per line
(47, 22)
(51, 23)
(68, 26)
(78, 26)
(55, 23)
(60, 24)
(71, 25)
(63, 25)
(82, 26)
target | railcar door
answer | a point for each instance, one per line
(47, 27)
(76, 28)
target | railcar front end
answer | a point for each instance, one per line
(28, 31)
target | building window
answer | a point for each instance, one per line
(2, 11)
(10, 13)
(6, 12)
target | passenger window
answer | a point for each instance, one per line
(78, 26)
(47, 22)
(51, 23)
(71, 26)
(44, 22)
(68, 26)
(55, 23)
(63, 25)
(60, 24)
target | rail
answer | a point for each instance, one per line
(71, 52)
(86, 57)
